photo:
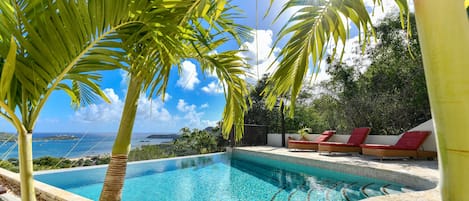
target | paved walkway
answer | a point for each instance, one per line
(400, 170)
(9, 197)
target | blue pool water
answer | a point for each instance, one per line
(240, 177)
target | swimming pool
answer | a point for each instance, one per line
(223, 176)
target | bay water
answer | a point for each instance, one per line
(86, 144)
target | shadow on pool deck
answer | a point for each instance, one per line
(427, 170)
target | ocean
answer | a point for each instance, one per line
(84, 145)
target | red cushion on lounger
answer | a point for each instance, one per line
(358, 136)
(324, 136)
(412, 139)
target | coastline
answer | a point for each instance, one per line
(85, 146)
(90, 157)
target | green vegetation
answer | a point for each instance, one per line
(48, 163)
(145, 38)
(188, 143)
(57, 137)
(390, 95)
(443, 29)
(147, 152)
(198, 141)
(303, 132)
(7, 137)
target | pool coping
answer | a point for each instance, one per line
(44, 192)
(129, 163)
(426, 185)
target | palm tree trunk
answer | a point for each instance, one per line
(115, 174)
(443, 28)
(25, 155)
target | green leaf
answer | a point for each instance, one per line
(310, 31)
(8, 70)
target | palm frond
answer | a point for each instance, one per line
(59, 38)
(230, 70)
(310, 31)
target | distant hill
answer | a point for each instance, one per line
(57, 137)
(12, 137)
(163, 136)
(7, 137)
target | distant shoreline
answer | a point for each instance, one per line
(12, 138)
(163, 136)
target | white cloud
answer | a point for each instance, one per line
(213, 88)
(111, 112)
(390, 8)
(257, 54)
(314, 78)
(188, 78)
(152, 109)
(212, 74)
(102, 112)
(213, 52)
(167, 97)
(191, 117)
(205, 105)
(207, 123)
(125, 78)
(353, 54)
(185, 107)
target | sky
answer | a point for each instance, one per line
(193, 98)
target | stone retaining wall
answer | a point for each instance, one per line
(44, 192)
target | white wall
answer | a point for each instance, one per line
(430, 143)
(275, 139)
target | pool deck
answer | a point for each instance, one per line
(411, 172)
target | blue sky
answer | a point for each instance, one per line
(193, 99)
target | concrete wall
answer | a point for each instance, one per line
(44, 192)
(275, 139)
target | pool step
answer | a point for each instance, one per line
(392, 189)
(258, 171)
(298, 194)
(296, 186)
(351, 192)
(331, 190)
(278, 194)
(371, 190)
(326, 190)
(277, 177)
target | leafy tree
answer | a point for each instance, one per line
(196, 142)
(48, 46)
(192, 30)
(390, 96)
(62, 44)
(258, 113)
(305, 115)
(443, 28)
(147, 152)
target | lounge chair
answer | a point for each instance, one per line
(309, 145)
(407, 146)
(357, 137)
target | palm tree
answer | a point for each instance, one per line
(60, 45)
(188, 38)
(443, 28)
